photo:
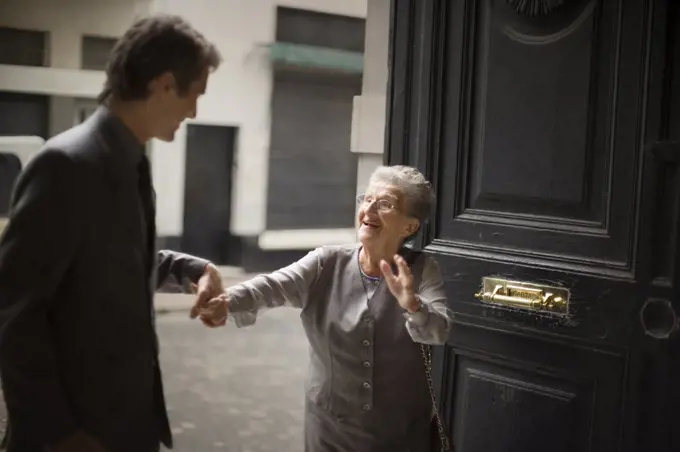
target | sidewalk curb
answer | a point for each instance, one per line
(167, 303)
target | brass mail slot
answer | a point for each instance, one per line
(524, 295)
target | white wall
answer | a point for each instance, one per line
(62, 113)
(68, 20)
(65, 21)
(369, 115)
(23, 147)
(238, 93)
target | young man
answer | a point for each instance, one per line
(78, 267)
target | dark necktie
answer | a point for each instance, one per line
(147, 198)
(148, 208)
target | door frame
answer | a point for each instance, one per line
(404, 84)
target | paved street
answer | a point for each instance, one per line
(235, 389)
(238, 390)
(229, 389)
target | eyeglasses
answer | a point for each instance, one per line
(383, 205)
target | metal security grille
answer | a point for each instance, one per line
(298, 26)
(312, 173)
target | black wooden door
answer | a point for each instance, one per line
(547, 128)
(207, 194)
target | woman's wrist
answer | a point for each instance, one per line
(414, 304)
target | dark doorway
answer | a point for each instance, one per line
(24, 115)
(10, 167)
(207, 195)
(548, 131)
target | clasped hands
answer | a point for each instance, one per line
(214, 311)
(210, 303)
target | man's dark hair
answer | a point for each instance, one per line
(151, 47)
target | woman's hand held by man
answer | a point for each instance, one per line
(214, 313)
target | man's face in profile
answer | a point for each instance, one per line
(168, 108)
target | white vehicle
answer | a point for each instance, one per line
(25, 148)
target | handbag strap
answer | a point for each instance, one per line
(411, 256)
(427, 358)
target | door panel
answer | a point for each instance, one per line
(530, 391)
(534, 131)
(543, 132)
(309, 160)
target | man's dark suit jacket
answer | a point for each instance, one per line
(78, 269)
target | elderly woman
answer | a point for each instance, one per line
(366, 388)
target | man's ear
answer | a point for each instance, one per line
(162, 84)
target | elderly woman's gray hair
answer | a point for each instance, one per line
(411, 184)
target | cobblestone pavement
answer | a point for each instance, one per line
(230, 389)
(238, 390)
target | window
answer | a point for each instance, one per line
(23, 47)
(297, 26)
(95, 51)
(24, 114)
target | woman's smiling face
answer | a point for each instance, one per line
(382, 217)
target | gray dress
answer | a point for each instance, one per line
(366, 387)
